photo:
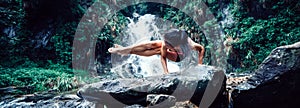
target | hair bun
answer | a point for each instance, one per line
(176, 37)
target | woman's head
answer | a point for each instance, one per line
(177, 40)
(175, 37)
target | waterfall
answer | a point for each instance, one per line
(142, 29)
(228, 18)
(42, 38)
(10, 32)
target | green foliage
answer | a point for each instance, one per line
(39, 79)
(262, 36)
(12, 14)
(62, 43)
(11, 17)
(18, 67)
(258, 36)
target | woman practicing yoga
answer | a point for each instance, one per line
(175, 45)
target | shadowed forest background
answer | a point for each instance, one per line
(36, 36)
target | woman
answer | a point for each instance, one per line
(175, 46)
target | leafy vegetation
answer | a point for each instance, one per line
(24, 61)
(38, 79)
(258, 34)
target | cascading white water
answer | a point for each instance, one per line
(142, 29)
(10, 32)
(228, 20)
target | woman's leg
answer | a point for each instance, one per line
(143, 49)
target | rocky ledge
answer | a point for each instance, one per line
(45, 100)
(201, 83)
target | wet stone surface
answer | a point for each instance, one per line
(45, 101)
(189, 85)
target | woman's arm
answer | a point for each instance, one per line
(163, 59)
(200, 49)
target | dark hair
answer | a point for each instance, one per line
(176, 37)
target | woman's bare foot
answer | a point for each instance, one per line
(118, 49)
(117, 46)
(114, 49)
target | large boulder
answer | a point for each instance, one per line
(275, 84)
(201, 83)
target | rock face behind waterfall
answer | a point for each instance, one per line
(275, 84)
(162, 91)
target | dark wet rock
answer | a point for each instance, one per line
(275, 84)
(163, 101)
(13, 90)
(188, 85)
(37, 97)
(45, 101)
